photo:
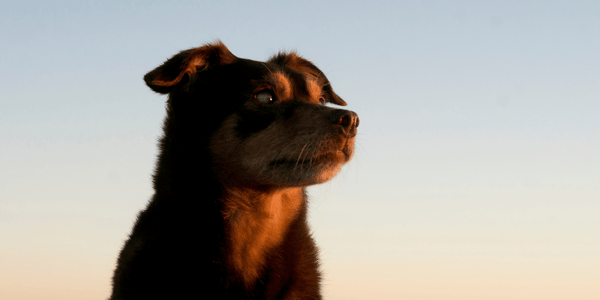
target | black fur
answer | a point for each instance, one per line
(183, 244)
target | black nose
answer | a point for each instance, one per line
(348, 120)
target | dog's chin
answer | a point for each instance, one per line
(306, 172)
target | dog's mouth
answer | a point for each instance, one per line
(334, 157)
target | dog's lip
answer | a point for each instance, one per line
(328, 157)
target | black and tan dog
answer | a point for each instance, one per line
(242, 139)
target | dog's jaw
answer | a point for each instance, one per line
(305, 171)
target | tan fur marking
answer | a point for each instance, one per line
(299, 64)
(256, 226)
(190, 69)
(295, 62)
(197, 61)
(314, 89)
(283, 87)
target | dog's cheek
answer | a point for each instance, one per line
(243, 157)
(264, 146)
(250, 122)
(222, 146)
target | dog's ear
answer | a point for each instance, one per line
(299, 64)
(179, 69)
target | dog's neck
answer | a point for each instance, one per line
(256, 222)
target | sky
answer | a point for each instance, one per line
(476, 173)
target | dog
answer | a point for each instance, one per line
(242, 140)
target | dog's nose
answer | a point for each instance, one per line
(348, 120)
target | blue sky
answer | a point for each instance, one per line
(476, 176)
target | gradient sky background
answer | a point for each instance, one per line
(477, 172)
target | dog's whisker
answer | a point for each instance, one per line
(300, 155)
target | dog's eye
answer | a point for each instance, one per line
(322, 101)
(264, 97)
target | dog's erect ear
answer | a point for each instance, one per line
(178, 70)
(299, 64)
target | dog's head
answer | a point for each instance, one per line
(267, 122)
